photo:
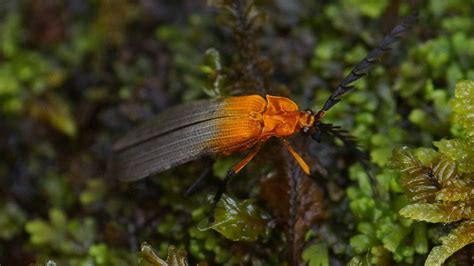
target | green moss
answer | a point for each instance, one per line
(110, 64)
(12, 218)
(441, 188)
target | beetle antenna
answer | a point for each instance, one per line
(351, 143)
(367, 63)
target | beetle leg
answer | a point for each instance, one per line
(304, 166)
(197, 183)
(233, 171)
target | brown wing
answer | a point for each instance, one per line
(185, 133)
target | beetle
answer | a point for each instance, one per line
(227, 125)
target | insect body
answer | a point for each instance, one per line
(217, 126)
(228, 125)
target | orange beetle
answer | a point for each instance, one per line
(227, 125)
(222, 125)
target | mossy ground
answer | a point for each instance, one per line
(76, 75)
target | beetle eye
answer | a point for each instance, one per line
(309, 111)
(305, 130)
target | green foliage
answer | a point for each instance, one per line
(239, 221)
(419, 188)
(12, 218)
(187, 58)
(175, 257)
(60, 235)
(440, 195)
(94, 192)
(380, 230)
(75, 76)
(213, 68)
(457, 239)
(75, 241)
(316, 255)
(439, 192)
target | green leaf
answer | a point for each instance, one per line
(420, 239)
(357, 173)
(457, 238)
(370, 8)
(238, 221)
(55, 111)
(459, 151)
(9, 34)
(445, 171)
(463, 106)
(394, 235)
(175, 257)
(362, 243)
(416, 179)
(148, 257)
(212, 66)
(48, 234)
(100, 253)
(316, 255)
(455, 193)
(94, 192)
(12, 218)
(438, 213)
(60, 235)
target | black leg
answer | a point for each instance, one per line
(234, 170)
(218, 195)
(194, 187)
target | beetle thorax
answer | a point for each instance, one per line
(281, 118)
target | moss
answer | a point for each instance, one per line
(441, 188)
(81, 73)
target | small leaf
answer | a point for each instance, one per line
(212, 67)
(361, 243)
(149, 257)
(94, 192)
(12, 218)
(459, 151)
(404, 160)
(419, 181)
(316, 255)
(41, 233)
(439, 213)
(455, 193)
(55, 111)
(463, 106)
(175, 257)
(457, 238)
(394, 235)
(239, 221)
(445, 171)
(420, 240)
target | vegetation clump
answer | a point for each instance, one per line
(440, 184)
(76, 75)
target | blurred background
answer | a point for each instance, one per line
(77, 75)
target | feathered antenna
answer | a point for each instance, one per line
(367, 63)
(350, 142)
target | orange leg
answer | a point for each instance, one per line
(240, 165)
(234, 170)
(304, 166)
